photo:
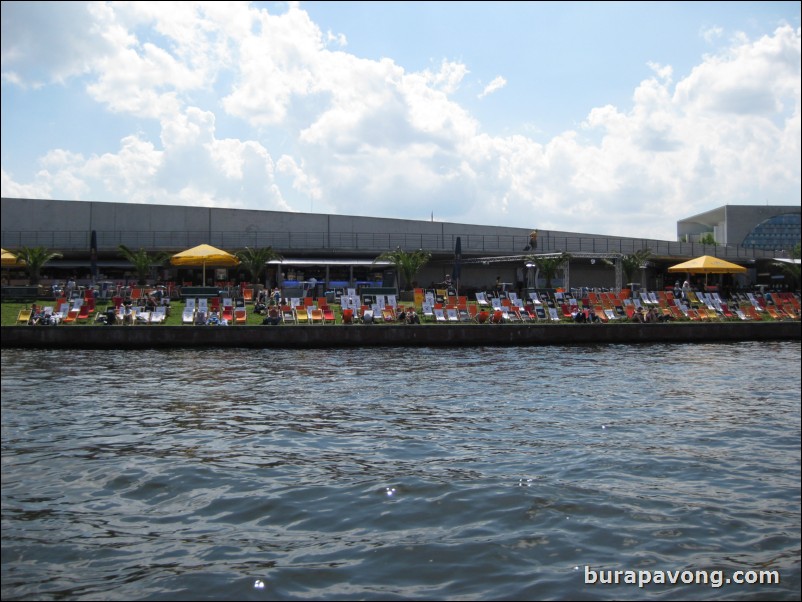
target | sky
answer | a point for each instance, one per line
(610, 118)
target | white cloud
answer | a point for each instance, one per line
(358, 136)
(712, 34)
(70, 48)
(497, 84)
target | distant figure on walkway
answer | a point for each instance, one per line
(532, 241)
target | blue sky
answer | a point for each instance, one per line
(594, 117)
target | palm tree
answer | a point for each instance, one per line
(34, 258)
(549, 265)
(255, 261)
(408, 264)
(631, 263)
(142, 261)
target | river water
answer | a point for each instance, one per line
(434, 473)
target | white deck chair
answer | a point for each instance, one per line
(63, 310)
(188, 315)
(159, 315)
(439, 315)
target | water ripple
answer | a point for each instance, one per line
(398, 473)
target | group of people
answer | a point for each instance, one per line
(211, 319)
(585, 316)
(644, 315)
(267, 299)
(408, 316)
(40, 317)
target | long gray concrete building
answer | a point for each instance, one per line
(340, 250)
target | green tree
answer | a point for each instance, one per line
(255, 261)
(408, 264)
(34, 259)
(792, 269)
(549, 265)
(707, 239)
(143, 261)
(630, 264)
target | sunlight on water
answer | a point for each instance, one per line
(399, 473)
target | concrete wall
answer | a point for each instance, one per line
(424, 335)
(86, 216)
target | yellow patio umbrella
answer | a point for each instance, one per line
(10, 260)
(204, 255)
(707, 264)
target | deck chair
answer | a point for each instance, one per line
(751, 313)
(72, 316)
(301, 315)
(316, 316)
(83, 313)
(24, 316)
(515, 314)
(240, 315)
(694, 315)
(328, 315)
(677, 312)
(452, 315)
(481, 300)
(439, 315)
(247, 295)
(288, 314)
(464, 315)
(725, 309)
(63, 310)
(228, 314)
(188, 315)
(159, 315)
(50, 314)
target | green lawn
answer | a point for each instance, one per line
(10, 311)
